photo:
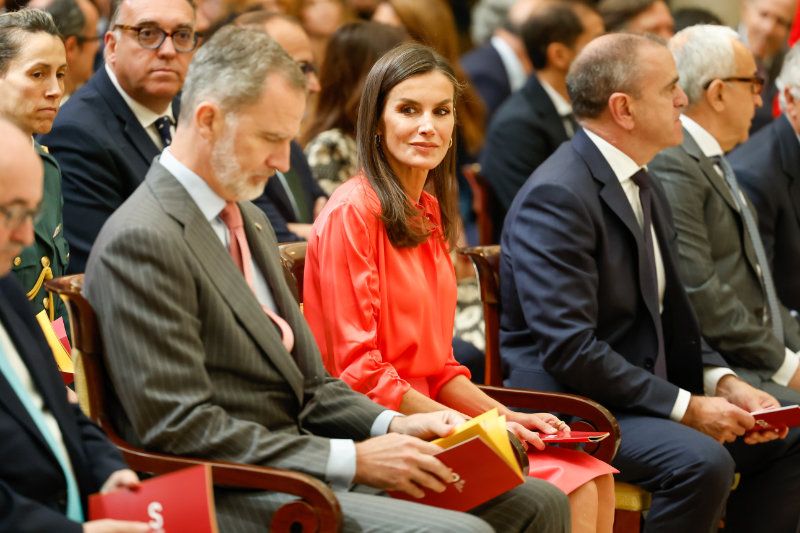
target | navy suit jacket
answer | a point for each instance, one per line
(104, 154)
(574, 314)
(526, 130)
(32, 485)
(768, 169)
(488, 75)
(275, 200)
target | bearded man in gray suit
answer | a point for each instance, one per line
(208, 362)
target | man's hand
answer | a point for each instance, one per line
(115, 526)
(521, 425)
(402, 463)
(427, 426)
(121, 479)
(717, 418)
(750, 399)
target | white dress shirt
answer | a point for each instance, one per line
(146, 116)
(563, 108)
(514, 69)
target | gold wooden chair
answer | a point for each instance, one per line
(315, 510)
(484, 203)
(631, 500)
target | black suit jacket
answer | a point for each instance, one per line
(32, 485)
(574, 314)
(525, 131)
(768, 169)
(104, 154)
(488, 75)
(275, 200)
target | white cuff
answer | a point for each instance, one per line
(681, 405)
(787, 370)
(381, 424)
(341, 467)
(711, 377)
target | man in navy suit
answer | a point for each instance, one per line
(768, 169)
(108, 133)
(592, 304)
(54, 457)
(534, 121)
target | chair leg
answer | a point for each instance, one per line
(627, 521)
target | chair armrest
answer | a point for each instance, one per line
(591, 416)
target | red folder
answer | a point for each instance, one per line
(178, 502)
(574, 437)
(479, 474)
(779, 418)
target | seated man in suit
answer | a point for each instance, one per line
(108, 133)
(206, 347)
(535, 120)
(293, 199)
(53, 456)
(768, 168)
(592, 304)
(721, 259)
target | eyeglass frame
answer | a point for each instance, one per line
(756, 82)
(8, 211)
(164, 35)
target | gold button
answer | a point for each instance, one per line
(45, 261)
(17, 261)
(45, 302)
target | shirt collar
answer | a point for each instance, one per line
(209, 202)
(621, 164)
(514, 69)
(563, 108)
(143, 114)
(707, 143)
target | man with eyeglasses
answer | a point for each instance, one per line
(108, 133)
(293, 199)
(722, 260)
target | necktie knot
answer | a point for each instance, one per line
(642, 179)
(163, 125)
(231, 216)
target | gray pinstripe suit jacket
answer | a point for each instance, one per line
(197, 367)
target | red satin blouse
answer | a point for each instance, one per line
(382, 316)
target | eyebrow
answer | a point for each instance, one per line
(150, 22)
(673, 82)
(412, 101)
(42, 64)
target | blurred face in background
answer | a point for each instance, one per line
(656, 19)
(767, 24)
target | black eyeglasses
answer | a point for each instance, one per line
(152, 37)
(15, 216)
(307, 67)
(756, 82)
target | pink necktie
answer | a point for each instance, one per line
(240, 252)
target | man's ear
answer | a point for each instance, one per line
(110, 47)
(71, 47)
(713, 95)
(620, 106)
(208, 120)
(559, 56)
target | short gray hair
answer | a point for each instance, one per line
(12, 27)
(790, 75)
(607, 66)
(230, 69)
(68, 17)
(487, 16)
(703, 53)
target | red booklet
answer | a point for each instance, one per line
(782, 417)
(574, 437)
(176, 502)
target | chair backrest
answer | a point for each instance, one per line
(293, 259)
(484, 203)
(486, 260)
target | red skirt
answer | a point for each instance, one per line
(566, 469)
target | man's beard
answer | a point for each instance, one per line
(226, 167)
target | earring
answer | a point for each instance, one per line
(377, 140)
(451, 143)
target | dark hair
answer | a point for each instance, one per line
(349, 56)
(68, 17)
(691, 16)
(617, 13)
(553, 23)
(14, 24)
(117, 4)
(608, 67)
(404, 224)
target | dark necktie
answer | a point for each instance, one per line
(304, 214)
(570, 124)
(163, 125)
(649, 276)
(751, 229)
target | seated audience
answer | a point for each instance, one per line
(721, 259)
(765, 30)
(380, 289)
(54, 457)
(320, 21)
(32, 69)
(108, 133)
(330, 138)
(206, 348)
(690, 16)
(768, 168)
(534, 121)
(592, 304)
(637, 16)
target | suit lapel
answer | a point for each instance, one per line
(212, 256)
(789, 147)
(549, 118)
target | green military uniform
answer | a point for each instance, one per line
(47, 257)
